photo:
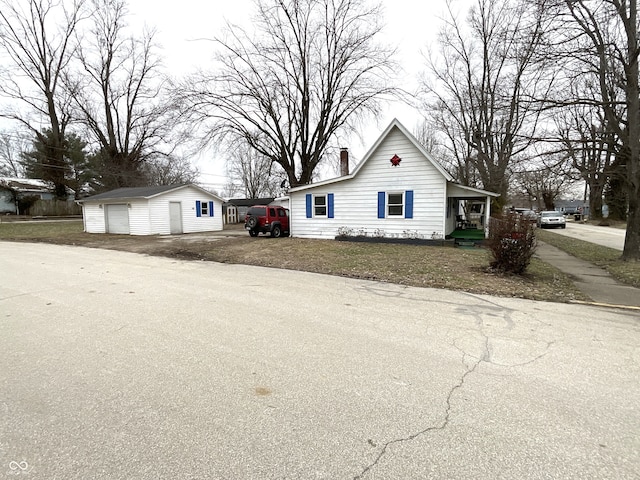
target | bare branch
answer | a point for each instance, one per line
(312, 70)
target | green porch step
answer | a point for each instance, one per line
(467, 238)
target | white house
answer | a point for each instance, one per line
(397, 191)
(153, 210)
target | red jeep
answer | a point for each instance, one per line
(267, 219)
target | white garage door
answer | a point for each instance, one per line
(118, 218)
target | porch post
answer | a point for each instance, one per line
(487, 215)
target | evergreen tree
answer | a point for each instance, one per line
(77, 170)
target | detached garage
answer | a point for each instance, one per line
(161, 210)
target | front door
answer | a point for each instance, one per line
(175, 217)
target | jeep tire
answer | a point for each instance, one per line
(276, 231)
(252, 222)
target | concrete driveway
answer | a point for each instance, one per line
(121, 366)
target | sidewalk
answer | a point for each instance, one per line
(591, 280)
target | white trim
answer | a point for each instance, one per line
(401, 204)
(474, 190)
(313, 205)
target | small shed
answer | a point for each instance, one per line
(158, 210)
(242, 205)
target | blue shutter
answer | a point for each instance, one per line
(408, 200)
(382, 196)
(198, 209)
(211, 209)
(308, 198)
(330, 205)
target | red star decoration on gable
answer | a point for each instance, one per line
(395, 160)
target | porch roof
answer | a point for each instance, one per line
(455, 190)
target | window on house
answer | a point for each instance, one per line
(476, 207)
(395, 204)
(204, 208)
(320, 206)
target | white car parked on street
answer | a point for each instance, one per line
(551, 219)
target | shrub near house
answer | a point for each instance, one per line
(512, 243)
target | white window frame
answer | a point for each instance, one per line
(204, 208)
(390, 205)
(325, 206)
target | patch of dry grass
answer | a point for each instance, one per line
(421, 266)
(603, 257)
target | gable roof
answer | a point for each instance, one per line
(394, 124)
(131, 193)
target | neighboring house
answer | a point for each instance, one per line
(397, 191)
(12, 190)
(572, 207)
(159, 210)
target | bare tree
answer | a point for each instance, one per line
(441, 139)
(169, 170)
(118, 96)
(487, 76)
(428, 135)
(311, 70)
(12, 144)
(255, 174)
(544, 183)
(36, 36)
(590, 144)
(606, 33)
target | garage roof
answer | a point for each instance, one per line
(140, 192)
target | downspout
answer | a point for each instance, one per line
(84, 221)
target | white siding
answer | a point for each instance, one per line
(94, 220)
(191, 223)
(356, 199)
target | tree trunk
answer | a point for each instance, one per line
(595, 201)
(632, 238)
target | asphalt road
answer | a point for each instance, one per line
(121, 366)
(605, 236)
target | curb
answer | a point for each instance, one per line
(606, 305)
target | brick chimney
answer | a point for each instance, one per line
(344, 162)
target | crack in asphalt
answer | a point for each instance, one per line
(442, 426)
(478, 313)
